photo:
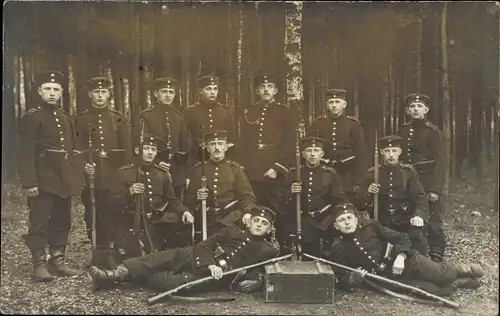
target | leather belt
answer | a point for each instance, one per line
(266, 146)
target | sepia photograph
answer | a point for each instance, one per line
(250, 157)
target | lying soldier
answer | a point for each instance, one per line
(402, 200)
(364, 247)
(230, 248)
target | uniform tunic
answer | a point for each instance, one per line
(168, 269)
(366, 248)
(345, 137)
(170, 125)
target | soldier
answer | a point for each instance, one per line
(347, 144)
(111, 149)
(424, 147)
(165, 121)
(209, 114)
(50, 174)
(160, 206)
(266, 144)
(230, 248)
(402, 202)
(228, 192)
(364, 247)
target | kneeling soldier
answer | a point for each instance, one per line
(228, 192)
(364, 247)
(321, 188)
(159, 205)
(403, 206)
(230, 248)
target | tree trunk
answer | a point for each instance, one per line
(239, 68)
(293, 54)
(497, 127)
(446, 101)
(420, 30)
(72, 90)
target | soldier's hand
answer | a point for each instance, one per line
(136, 188)
(90, 169)
(271, 173)
(433, 197)
(216, 271)
(32, 192)
(246, 219)
(164, 166)
(296, 187)
(399, 265)
(417, 221)
(202, 194)
(356, 277)
(374, 188)
(248, 286)
(187, 218)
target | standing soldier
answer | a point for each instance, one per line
(320, 190)
(109, 134)
(347, 152)
(209, 114)
(160, 210)
(266, 145)
(424, 147)
(49, 175)
(228, 192)
(403, 206)
(165, 121)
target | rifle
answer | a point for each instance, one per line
(139, 197)
(375, 176)
(208, 278)
(203, 186)
(391, 282)
(92, 201)
(298, 236)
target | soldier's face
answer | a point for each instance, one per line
(165, 96)
(336, 106)
(149, 153)
(391, 155)
(346, 223)
(417, 110)
(209, 93)
(99, 97)
(50, 92)
(312, 155)
(217, 149)
(259, 226)
(267, 91)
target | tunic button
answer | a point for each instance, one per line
(62, 138)
(370, 257)
(215, 180)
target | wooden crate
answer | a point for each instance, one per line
(299, 282)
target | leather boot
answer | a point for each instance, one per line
(58, 265)
(466, 283)
(110, 260)
(436, 257)
(469, 271)
(40, 271)
(102, 278)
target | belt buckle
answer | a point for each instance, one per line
(260, 146)
(382, 266)
(391, 210)
(223, 264)
(102, 153)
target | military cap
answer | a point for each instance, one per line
(264, 78)
(390, 141)
(50, 76)
(336, 94)
(312, 142)
(165, 82)
(343, 208)
(151, 140)
(207, 80)
(98, 83)
(263, 211)
(216, 135)
(417, 97)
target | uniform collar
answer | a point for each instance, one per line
(48, 106)
(338, 118)
(217, 163)
(98, 110)
(208, 104)
(417, 123)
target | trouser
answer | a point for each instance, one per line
(311, 236)
(417, 236)
(264, 191)
(435, 233)
(105, 223)
(49, 221)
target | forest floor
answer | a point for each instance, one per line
(471, 238)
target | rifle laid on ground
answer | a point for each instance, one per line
(415, 290)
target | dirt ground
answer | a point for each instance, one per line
(471, 237)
